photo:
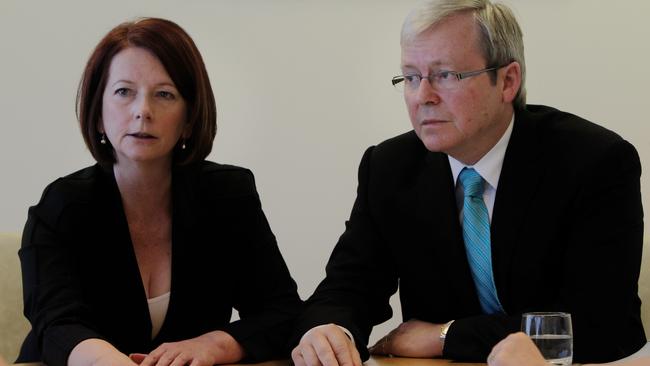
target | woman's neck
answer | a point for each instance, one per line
(144, 187)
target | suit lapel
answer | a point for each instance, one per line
(184, 221)
(118, 238)
(433, 198)
(520, 178)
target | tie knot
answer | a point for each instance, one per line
(472, 182)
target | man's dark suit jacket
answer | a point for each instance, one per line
(81, 278)
(566, 230)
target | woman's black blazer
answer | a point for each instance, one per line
(81, 278)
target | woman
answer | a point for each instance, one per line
(148, 251)
(518, 350)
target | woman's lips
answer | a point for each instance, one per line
(142, 135)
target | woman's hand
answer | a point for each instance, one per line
(209, 349)
(97, 352)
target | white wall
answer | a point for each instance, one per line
(302, 89)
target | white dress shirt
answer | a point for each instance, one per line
(489, 167)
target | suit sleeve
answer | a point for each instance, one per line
(266, 296)
(52, 298)
(360, 277)
(600, 267)
(603, 260)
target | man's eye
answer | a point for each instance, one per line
(411, 78)
(444, 75)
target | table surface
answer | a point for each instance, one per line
(373, 361)
(390, 361)
(402, 361)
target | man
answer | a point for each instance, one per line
(488, 209)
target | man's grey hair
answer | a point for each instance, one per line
(501, 39)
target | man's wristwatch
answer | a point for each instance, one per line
(443, 332)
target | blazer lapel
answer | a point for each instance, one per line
(118, 238)
(433, 198)
(184, 221)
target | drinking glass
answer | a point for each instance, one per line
(553, 335)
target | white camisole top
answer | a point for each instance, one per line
(157, 311)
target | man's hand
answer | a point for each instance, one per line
(326, 345)
(516, 350)
(413, 338)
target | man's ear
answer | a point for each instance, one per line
(511, 81)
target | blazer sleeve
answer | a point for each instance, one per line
(52, 298)
(360, 275)
(266, 296)
(600, 268)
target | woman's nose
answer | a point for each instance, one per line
(142, 108)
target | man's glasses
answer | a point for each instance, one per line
(443, 80)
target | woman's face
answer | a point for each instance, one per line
(143, 114)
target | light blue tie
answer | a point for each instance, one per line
(476, 233)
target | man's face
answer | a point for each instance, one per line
(467, 120)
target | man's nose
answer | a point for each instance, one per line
(426, 93)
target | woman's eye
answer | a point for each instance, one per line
(166, 95)
(123, 92)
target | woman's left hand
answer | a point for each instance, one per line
(209, 349)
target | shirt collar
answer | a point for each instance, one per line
(489, 166)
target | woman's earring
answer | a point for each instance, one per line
(103, 139)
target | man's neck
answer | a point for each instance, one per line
(471, 154)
